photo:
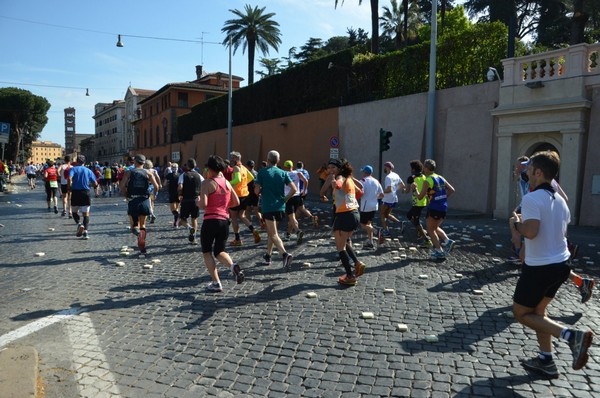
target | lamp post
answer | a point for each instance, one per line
(229, 107)
(430, 132)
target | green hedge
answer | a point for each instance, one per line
(462, 60)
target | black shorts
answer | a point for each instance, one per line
(274, 216)
(213, 235)
(51, 192)
(64, 189)
(139, 207)
(242, 206)
(173, 197)
(189, 208)
(415, 212)
(346, 221)
(537, 282)
(436, 214)
(252, 200)
(367, 216)
(80, 198)
(293, 204)
(105, 182)
(31, 176)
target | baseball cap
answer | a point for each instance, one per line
(389, 165)
(288, 163)
(139, 158)
(367, 169)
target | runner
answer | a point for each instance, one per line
(293, 204)
(391, 185)
(81, 179)
(270, 184)
(241, 177)
(252, 201)
(135, 184)
(543, 223)
(51, 178)
(31, 172)
(437, 190)
(303, 188)
(414, 214)
(189, 189)
(171, 181)
(63, 172)
(106, 180)
(216, 198)
(346, 218)
(153, 189)
(369, 204)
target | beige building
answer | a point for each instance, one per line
(44, 150)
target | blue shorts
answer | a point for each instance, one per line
(138, 207)
(390, 205)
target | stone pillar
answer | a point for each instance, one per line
(503, 177)
(571, 172)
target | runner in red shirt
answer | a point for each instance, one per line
(51, 178)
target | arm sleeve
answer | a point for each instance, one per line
(236, 179)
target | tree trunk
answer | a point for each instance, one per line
(251, 51)
(375, 26)
(578, 22)
(405, 27)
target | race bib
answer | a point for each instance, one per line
(53, 184)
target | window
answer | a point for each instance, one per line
(150, 137)
(182, 100)
(145, 138)
(157, 135)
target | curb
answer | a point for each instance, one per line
(18, 372)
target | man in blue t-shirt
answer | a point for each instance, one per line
(270, 183)
(81, 179)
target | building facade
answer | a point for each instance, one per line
(41, 151)
(109, 137)
(132, 114)
(156, 128)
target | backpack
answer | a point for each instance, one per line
(138, 183)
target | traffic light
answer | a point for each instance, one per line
(384, 140)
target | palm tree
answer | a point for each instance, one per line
(253, 29)
(374, 24)
(400, 25)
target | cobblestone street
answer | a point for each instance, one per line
(103, 330)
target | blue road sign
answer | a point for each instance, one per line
(4, 132)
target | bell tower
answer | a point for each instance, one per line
(69, 130)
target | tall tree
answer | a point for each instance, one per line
(270, 64)
(401, 25)
(374, 24)
(26, 113)
(313, 49)
(524, 12)
(252, 29)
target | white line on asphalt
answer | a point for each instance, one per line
(93, 373)
(38, 325)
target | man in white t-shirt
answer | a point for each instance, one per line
(294, 203)
(369, 204)
(543, 222)
(391, 185)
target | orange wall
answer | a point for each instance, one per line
(302, 137)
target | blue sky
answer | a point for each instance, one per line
(39, 54)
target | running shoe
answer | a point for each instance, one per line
(359, 269)
(514, 260)
(438, 254)
(449, 245)
(55, 210)
(80, 229)
(64, 213)
(256, 236)
(142, 239)
(135, 231)
(286, 237)
(380, 237)
(579, 344)
(70, 215)
(287, 261)
(536, 364)
(368, 245)
(85, 235)
(152, 218)
(299, 237)
(386, 233)
(236, 242)
(426, 244)
(349, 280)
(267, 258)
(586, 289)
(192, 235)
(237, 272)
(214, 287)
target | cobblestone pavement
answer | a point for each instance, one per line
(104, 330)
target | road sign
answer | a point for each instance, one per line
(4, 132)
(334, 153)
(334, 142)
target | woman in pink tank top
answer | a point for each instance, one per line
(216, 197)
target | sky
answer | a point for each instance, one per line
(72, 44)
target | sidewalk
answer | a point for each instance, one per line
(129, 331)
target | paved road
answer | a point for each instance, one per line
(108, 331)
